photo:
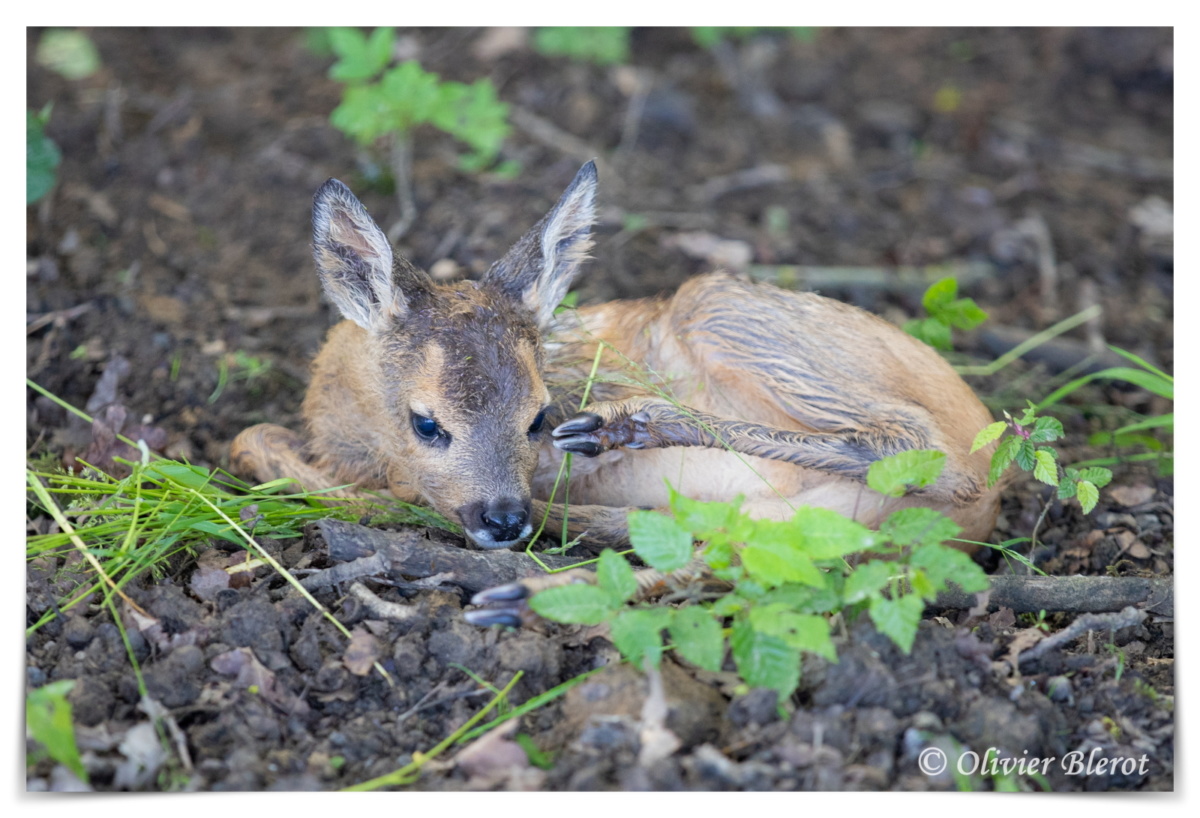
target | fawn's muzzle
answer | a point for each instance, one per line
(496, 523)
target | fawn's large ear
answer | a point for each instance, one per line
(355, 263)
(539, 268)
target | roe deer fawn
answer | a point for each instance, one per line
(465, 395)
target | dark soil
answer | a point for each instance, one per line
(176, 241)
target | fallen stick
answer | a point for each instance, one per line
(913, 280)
(412, 554)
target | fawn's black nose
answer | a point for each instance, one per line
(497, 523)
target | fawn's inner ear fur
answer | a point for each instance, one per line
(538, 270)
(355, 261)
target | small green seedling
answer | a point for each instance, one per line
(42, 156)
(379, 101)
(946, 311)
(68, 52)
(603, 45)
(1023, 444)
(787, 577)
(48, 721)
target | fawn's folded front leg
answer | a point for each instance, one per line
(603, 526)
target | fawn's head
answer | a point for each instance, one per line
(457, 368)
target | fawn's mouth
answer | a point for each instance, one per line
(486, 541)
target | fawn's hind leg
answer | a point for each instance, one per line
(653, 423)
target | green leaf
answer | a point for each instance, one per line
(897, 618)
(1002, 457)
(614, 575)
(1046, 430)
(943, 564)
(604, 45)
(806, 598)
(825, 534)
(42, 158)
(1067, 489)
(1046, 467)
(704, 519)
(910, 526)
(774, 563)
(1088, 495)
(868, 579)
(659, 541)
(894, 476)
(800, 631)
(1124, 353)
(931, 331)
(1097, 476)
(987, 434)
(1026, 457)
(964, 314)
(637, 633)
(577, 604)
(764, 660)
(48, 720)
(940, 295)
(69, 53)
(1149, 381)
(360, 58)
(697, 637)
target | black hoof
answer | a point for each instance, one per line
(583, 446)
(583, 422)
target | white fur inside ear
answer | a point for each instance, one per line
(566, 240)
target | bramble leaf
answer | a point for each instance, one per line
(987, 434)
(576, 604)
(914, 469)
(637, 633)
(659, 541)
(697, 637)
(764, 660)
(615, 576)
(1088, 494)
(897, 618)
(1046, 467)
(910, 526)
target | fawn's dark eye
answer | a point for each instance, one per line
(536, 426)
(427, 429)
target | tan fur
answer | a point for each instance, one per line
(784, 398)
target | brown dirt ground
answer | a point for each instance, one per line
(180, 225)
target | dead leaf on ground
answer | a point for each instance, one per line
(362, 653)
(251, 673)
(1130, 496)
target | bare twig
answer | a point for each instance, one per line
(1125, 618)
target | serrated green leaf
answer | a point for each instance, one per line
(1066, 489)
(637, 633)
(42, 158)
(718, 555)
(577, 604)
(894, 476)
(940, 295)
(1026, 455)
(1046, 467)
(987, 434)
(943, 564)
(1046, 430)
(897, 618)
(825, 534)
(910, 526)
(806, 598)
(659, 541)
(1097, 476)
(1088, 495)
(614, 575)
(1002, 457)
(774, 563)
(868, 579)
(764, 660)
(701, 518)
(697, 637)
(804, 632)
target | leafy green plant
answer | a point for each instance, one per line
(42, 156)
(946, 311)
(1023, 443)
(383, 105)
(604, 45)
(48, 721)
(379, 101)
(785, 577)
